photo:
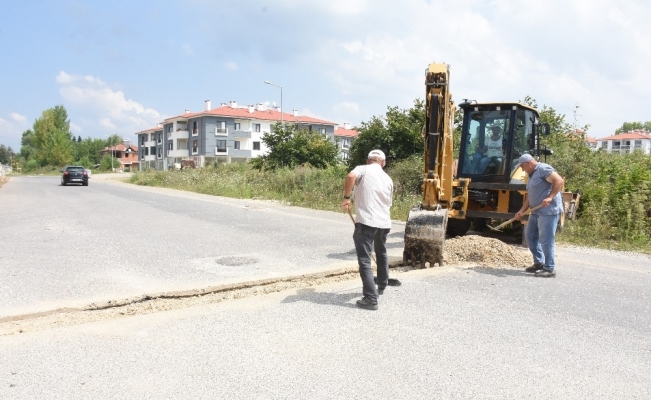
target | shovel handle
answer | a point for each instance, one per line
(529, 211)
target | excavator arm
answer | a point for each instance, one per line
(426, 226)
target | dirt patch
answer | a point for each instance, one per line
(485, 252)
(164, 302)
(3, 180)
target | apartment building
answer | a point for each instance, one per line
(225, 134)
(628, 142)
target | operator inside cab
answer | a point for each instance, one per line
(487, 159)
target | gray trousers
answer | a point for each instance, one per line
(366, 238)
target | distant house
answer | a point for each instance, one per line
(126, 155)
(626, 142)
(226, 134)
(344, 137)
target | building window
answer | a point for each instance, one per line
(142, 140)
(322, 131)
(160, 152)
(195, 127)
(236, 145)
(195, 146)
(170, 146)
(160, 138)
(237, 126)
(221, 128)
(221, 146)
(256, 145)
(257, 127)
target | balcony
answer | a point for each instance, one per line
(221, 131)
(239, 153)
(240, 134)
(221, 152)
(150, 158)
(149, 143)
(178, 153)
(178, 135)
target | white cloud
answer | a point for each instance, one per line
(101, 109)
(18, 118)
(11, 131)
(563, 53)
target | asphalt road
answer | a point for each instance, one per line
(73, 245)
(448, 333)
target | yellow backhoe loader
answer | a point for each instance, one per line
(483, 184)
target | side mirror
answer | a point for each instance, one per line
(541, 129)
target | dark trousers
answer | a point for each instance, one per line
(366, 238)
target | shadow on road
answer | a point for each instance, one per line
(325, 298)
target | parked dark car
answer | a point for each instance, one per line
(74, 174)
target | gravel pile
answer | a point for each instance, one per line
(485, 252)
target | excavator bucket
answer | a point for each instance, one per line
(424, 237)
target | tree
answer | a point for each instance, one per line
(6, 154)
(28, 145)
(53, 122)
(398, 134)
(631, 126)
(59, 148)
(291, 147)
(89, 148)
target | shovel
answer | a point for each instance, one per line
(392, 281)
(499, 227)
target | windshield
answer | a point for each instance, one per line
(485, 149)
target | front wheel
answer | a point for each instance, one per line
(457, 227)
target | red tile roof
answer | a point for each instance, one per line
(243, 113)
(149, 130)
(346, 132)
(633, 135)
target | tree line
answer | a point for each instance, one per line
(50, 143)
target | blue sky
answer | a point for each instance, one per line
(121, 66)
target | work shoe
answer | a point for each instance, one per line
(367, 304)
(546, 273)
(380, 291)
(534, 268)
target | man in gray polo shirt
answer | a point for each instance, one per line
(543, 187)
(373, 197)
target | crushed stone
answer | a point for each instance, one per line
(485, 252)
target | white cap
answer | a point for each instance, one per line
(378, 154)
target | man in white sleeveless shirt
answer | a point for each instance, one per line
(373, 197)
